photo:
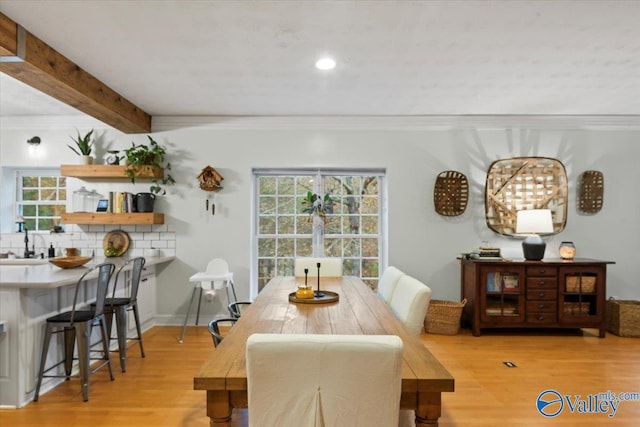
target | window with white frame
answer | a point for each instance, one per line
(40, 198)
(350, 226)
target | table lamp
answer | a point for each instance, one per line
(534, 222)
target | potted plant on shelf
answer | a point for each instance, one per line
(84, 146)
(139, 156)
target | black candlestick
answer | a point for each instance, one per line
(317, 293)
(306, 272)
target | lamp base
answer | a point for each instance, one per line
(533, 248)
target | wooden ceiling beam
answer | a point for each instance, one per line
(28, 59)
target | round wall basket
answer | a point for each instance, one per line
(451, 193)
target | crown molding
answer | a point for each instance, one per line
(405, 123)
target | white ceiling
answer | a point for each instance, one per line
(395, 58)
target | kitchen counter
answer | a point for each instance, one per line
(29, 294)
(43, 276)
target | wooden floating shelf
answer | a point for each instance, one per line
(110, 171)
(112, 218)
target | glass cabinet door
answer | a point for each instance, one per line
(502, 294)
(580, 294)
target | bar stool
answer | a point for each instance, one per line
(120, 305)
(78, 325)
(217, 276)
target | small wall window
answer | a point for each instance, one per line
(41, 198)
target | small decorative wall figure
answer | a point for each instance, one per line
(210, 181)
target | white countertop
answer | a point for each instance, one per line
(50, 276)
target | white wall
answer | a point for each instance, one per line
(421, 242)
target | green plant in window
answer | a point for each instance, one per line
(315, 204)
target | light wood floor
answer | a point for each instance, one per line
(158, 390)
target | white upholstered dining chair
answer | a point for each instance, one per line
(329, 267)
(410, 301)
(324, 380)
(388, 283)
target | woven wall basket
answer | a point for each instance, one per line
(451, 193)
(590, 192)
(522, 183)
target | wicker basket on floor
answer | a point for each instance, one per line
(443, 317)
(623, 317)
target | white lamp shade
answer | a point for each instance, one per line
(534, 221)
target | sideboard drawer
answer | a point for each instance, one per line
(542, 283)
(542, 270)
(541, 306)
(541, 318)
(535, 295)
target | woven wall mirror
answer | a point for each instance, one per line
(522, 183)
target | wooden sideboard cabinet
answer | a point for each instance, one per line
(552, 293)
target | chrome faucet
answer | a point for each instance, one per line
(27, 252)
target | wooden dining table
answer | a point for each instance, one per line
(359, 311)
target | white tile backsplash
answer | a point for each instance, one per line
(89, 238)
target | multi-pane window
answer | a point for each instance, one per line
(351, 228)
(41, 199)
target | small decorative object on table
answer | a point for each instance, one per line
(567, 250)
(318, 294)
(304, 292)
(306, 295)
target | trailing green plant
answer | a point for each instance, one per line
(83, 143)
(149, 155)
(315, 204)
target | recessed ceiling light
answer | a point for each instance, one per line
(325, 64)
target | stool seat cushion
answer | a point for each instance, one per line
(79, 316)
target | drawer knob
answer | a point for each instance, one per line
(541, 306)
(540, 317)
(541, 294)
(542, 270)
(542, 282)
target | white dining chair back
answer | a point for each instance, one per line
(329, 267)
(323, 380)
(388, 283)
(410, 301)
